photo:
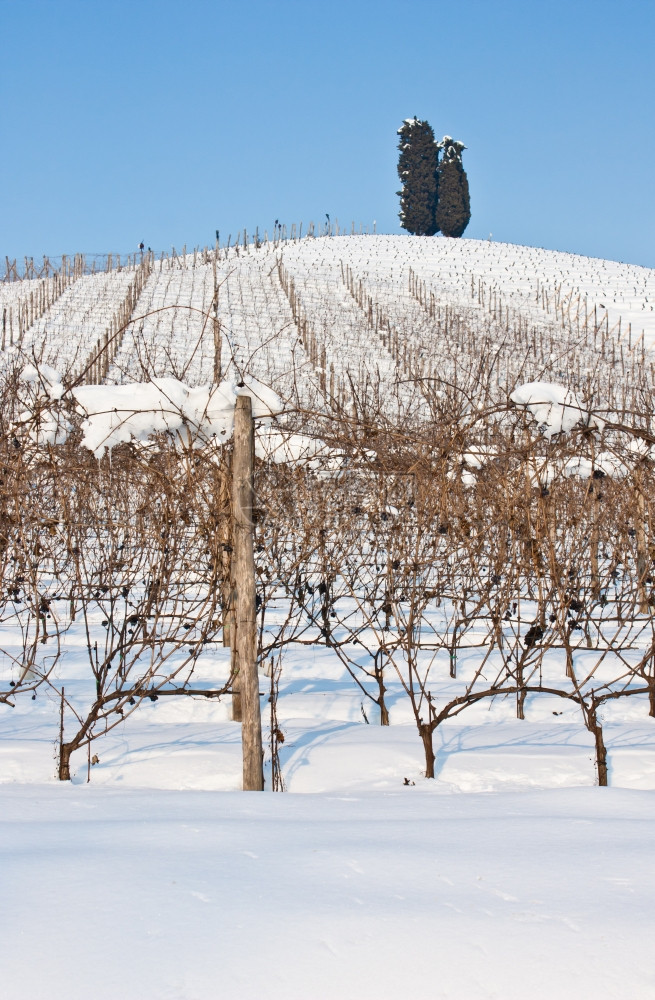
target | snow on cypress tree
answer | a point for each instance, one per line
(454, 207)
(417, 169)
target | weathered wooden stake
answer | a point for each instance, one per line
(218, 371)
(244, 644)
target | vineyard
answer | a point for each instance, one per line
(453, 527)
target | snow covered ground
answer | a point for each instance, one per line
(509, 875)
(193, 895)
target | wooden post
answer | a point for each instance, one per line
(244, 646)
(642, 549)
(216, 323)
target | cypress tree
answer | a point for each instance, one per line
(417, 169)
(453, 212)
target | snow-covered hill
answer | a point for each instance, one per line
(315, 316)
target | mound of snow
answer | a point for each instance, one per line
(556, 408)
(119, 413)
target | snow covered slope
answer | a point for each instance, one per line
(315, 316)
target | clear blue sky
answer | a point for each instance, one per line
(164, 121)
